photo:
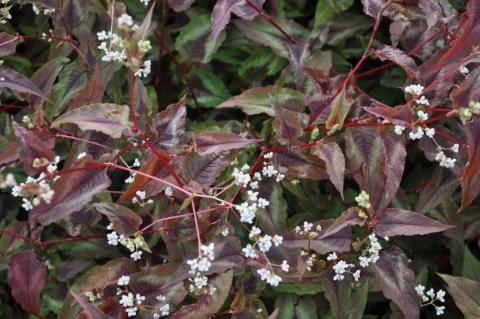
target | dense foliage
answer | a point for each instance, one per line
(239, 159)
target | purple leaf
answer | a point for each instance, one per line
(206, 143)
(301, 165)
(90, 310)
(9, 154)
(399, 115)
(364, 153)
(45, 77)
(465, 292)
(470, 179)
(110, 119)
(397, 281)
(332, 155)
(395, 222)
(8, 44)
(124, 220)
(441, 187)
(26, 277)
(346, 219)
(170, 125)
(373, 7)
(221, 15)
(394, 156)
(72, 192)
(205, 169)
(208, 305)
(18, 83)
(33, 145)
(246, 12)
(398, 57)
(288, 125)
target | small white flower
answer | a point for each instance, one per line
(363, 200)
(27, 205)
(440, 310)
(136, 255)
(136, 163)
(277, 240)
(169, 191)
(332, 256)
(418, 134)
(139, 298)
(430, 132)
(250, 252)
(112, 238)
(265, 243)
(422, 115)
(285, 266)
(123, 281)
(463, 70)
(132, 312)
(81, 155)
(225, 232)
(356, 275)
(268, 155)
(454, 148)
(398, 129)
(254, 232)
(415, 89)
(423, 101)
(141, 194)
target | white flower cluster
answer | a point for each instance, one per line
(430, 297)
(113, 47)
(414, 89)
(264, 243)
(445, 161)
(139, 198)
(132, 244)
(363, 200)
(307, 230)
(200, 265)
(269, 277)
(37, 189)
(341, 267)
(312, 257)
(373, 251)
(145, 70)
(128, 300)
(164, 308)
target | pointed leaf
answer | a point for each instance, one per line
(395, 222)
(206, 143)
(465, 292)
(18, 83)
(339, 111)
(205, 169)
(258, 100)
(332, 155)
(123, 219)
(90, 310)
(470, 180)
(397, 281)
(221, 15)
(45, 77)
(110, 119)
(72, 192)
(26, 277)
(373, 7)
(394, 156)
(8, 44)
(400, 58)
(442, 185)
(471, 266)
(399, 115)
(170, 125)
(208, 304)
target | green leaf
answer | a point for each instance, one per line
(471, 266)
(306, 288)
(340, 108)
(195, 41)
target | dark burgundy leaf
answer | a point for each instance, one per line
(221, 15)
(69, 269)
(470, 180)
(301, 165)
(332, 155)
(397, 281)
(26, 277)
(33, 145)
(206, 143)
(124, 220)
(399, 115)
(288, 125)
(400, 58)
(8, 44)
(398, 222)
(93, 91)
(465, 292)
(19, 83)
(246, 12)
(441, 187)
(101, 276)
(208, 305)
(170, 124)
(365, 160)
(205, 169)
(394, 156)
(45, 77)
(9, 154)
(373, 7)
(72, 192)
(468, 90)
(348, 218)
(89, 309)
